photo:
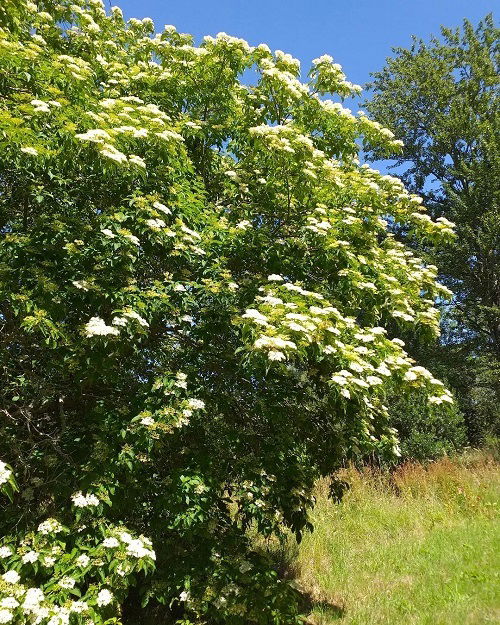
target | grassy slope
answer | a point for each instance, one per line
(420, 548)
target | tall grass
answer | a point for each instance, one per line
(418, 546)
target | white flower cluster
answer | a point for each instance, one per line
(366, 354)
(75, 67)
(126, 316)
(40, 106)
(97, 327)
(137, 547)
(104, 597)
(50, 526)
(29, 150)
(5, 473)
(84, 501)
(223, 40)
(21, 603)
(5, 552)
(144, 121)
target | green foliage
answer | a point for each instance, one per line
(441, 100)
(424, 434)
(200, 298)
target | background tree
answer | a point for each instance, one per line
(441, 99)
(200, 301)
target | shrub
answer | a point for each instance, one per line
(196, 280)
(426, 434)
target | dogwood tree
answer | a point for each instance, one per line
(196, 280)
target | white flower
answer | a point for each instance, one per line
(80, 284)
(67, 582)
(410, 376)
(5, 552)
(50, 526)
(402, 315)
(243, 225)
(190, 232)
(132, 238)
(42, 613)
(96, 135)
(339, 379)
(78, 607)
(83, 501)
(276, 355)
(272, 301)
(179, 287)
(196, 404)
(32, 599)
(137, 160)
(104, 597)
(360, 382)
(109, 233)
(11, 577)
(356, 366)
(125, 537)
(114, 154)
(5, 616)
(161, 207)
(5, 473)
(184, 596)
(97, 327)
(383, 370)
(83, 560)
(29, 150)
(9, 602)
(110, 542)
(156, 224)
(274, 342)
(255, 316)
(131, 314)
(170, 134)
(40, 106)
(31, 556)
(122, 569)
(49, 561)
(147, 421)
(274, 277)
(136, 548)
(435, 400)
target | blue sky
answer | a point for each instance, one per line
(358, 34)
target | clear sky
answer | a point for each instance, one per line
(358, 34)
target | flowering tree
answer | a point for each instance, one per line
(198, 298)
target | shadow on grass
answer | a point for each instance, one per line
(321, 608)
(322, 611)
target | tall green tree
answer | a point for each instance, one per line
(200, 302)
(441, 99)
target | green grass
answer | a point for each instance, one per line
(420, 547)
